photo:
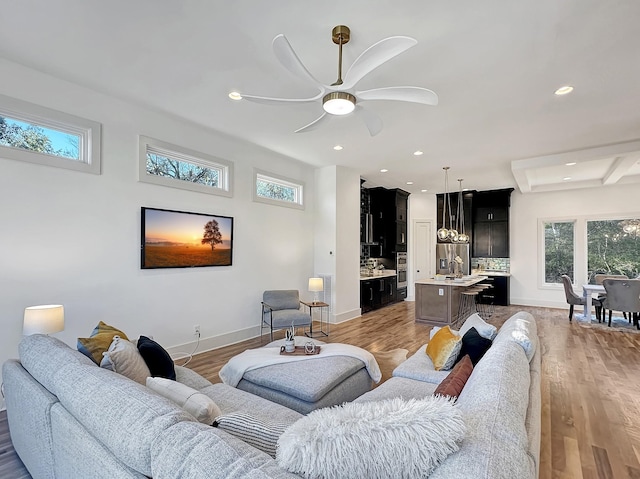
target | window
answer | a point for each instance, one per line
(612, 247)
(170, 165)
(43, 136)
(558, 251)
(278, 190)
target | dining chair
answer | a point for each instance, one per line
(573, 298)
(623, 295)
(281, 310)
(599, 278)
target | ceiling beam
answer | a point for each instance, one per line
(619, 168)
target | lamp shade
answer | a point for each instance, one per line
(45, 319)
(315, 284)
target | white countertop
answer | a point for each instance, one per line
(490, 273)
(385, 273)
(463, 282)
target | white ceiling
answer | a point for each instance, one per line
(493, 63)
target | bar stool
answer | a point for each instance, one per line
(488, 301)
(467, 305)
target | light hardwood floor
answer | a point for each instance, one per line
(590, 387)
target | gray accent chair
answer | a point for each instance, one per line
(623, 295)
(281, 309)
(573, 298)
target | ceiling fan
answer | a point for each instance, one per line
(341, 97)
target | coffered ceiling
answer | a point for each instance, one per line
(495, 66)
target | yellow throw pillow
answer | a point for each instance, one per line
(99, 342)
(443, 349)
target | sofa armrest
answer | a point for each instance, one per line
(191, 378)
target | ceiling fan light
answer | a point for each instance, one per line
(339, 103)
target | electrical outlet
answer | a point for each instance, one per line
(196, 330)
(440, 292)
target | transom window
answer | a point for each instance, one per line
(44, 136)
(170, 165)
(273, 189)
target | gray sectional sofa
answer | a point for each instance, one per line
(69, 418)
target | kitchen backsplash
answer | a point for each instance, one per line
(494, 264)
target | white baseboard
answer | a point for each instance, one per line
(214, 342)
(346, 316)
(539, 303)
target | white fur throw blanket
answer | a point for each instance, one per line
(232, 372)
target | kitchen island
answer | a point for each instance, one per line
(437, 302)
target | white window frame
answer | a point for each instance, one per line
(89, 133)
(187, 155)
(542, 284)
(297, 185)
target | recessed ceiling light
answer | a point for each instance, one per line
(563, 90)
(424, 191)
(383, 170)
(571, 163)
(409, 182)
(234, 95)
(337, 147)
(418, 153)
(566, 178)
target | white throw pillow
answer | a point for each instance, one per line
(484, 329)
(195, 403)
(521, 328)
(251, 430)
(124, 358)
(378, 439)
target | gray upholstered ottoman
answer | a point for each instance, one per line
(310, 384)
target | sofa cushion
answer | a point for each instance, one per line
(194, 451)
(199, 405)
(259, 434)
(474, 346)
(123, 357)
(99, 341)
(443, 349)
(391, 438)
(399, 388)
(485, 329)
(157, 358)
(420, 367)
(454, 383)
(494, 405)
(121, 414)
(520, 328)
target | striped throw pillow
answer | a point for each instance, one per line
(256, 433)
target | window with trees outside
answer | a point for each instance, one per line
(36, 134)
(613, 247)
(558, 250)
(273, 189)
(171, 165)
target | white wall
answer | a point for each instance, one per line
(422, 206)
(526, 210)
(73, 238)
(337, 239)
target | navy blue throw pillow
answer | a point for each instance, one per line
(157, 358)
(474, 345)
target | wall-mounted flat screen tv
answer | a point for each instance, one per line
(179, 239)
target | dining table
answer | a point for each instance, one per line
(587, 292)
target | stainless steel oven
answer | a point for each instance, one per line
(401, 269)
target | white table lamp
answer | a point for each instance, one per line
(45, 319)
(315, 286)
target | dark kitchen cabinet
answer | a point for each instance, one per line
(389, 210)
(499, 293)
(490, 236)
(467, 205)
(377, 292)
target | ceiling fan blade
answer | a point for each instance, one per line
(372, 120)
(374, 56)
(288, 58)
(413, 94)
(314, 124)
(279, 101)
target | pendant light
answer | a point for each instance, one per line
(462, 236)
(443, 233)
